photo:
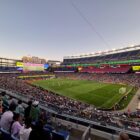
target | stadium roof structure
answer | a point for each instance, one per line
(102, 53)
(3, 58)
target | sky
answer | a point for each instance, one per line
(52, 29)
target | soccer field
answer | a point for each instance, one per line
(101, 95)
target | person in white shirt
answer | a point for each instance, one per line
(25, 130)
(7, 118)
(16, 126)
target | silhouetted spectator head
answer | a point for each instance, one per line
(30, 103)
(16, 116)
(3, 93)
(12, 107)
(19, 102)
(123, 136)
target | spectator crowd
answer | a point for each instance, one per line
(22, 122)
(60, 104)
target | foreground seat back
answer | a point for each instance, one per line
(48, 134)
(57, 136)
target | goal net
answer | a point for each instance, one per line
(122, 90)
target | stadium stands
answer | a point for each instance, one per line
(107, 69)
(64, 69)
(129, 53)
(65, 106)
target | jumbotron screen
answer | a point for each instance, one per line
(19, 64)
(33, 67)
(136, 68)
(46, 66)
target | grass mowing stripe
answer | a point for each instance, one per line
(98, 94)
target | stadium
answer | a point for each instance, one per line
(69, 70)
(98, 90)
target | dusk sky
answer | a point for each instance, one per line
(52, 29)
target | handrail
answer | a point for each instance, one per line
(87, 131)
(77, 119)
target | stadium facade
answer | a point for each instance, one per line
(125, 60)
(7, 64)
(121, 60)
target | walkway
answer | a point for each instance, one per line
(132, 106)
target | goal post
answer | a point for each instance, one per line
(122, 90)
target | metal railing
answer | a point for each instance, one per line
(86, 134)
(77, 120)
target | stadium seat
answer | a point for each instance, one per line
(48, 134)
(48, 127)
(65, 134)
(61, 135)
(57, 136)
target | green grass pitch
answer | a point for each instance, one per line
(101, 95)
